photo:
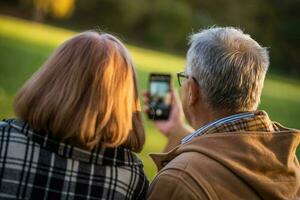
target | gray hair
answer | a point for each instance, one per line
(229, 66)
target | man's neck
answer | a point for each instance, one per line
(206, 117)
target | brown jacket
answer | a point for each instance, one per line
(248, 159)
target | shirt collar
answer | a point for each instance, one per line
(215, 123)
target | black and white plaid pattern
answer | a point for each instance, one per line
(34, 166)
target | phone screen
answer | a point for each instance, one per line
(160, 96)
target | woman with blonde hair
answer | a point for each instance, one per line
(78, 125)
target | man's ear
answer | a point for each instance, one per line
(194, 92)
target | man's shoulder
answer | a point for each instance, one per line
(190, 170)
(190, 166)
(190, 160)
(173, 182)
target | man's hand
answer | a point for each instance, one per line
(176, 118)
(174, 128)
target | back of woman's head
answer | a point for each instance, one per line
(86, 93)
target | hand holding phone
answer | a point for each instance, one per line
(174, 128)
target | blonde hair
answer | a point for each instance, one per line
(85, 93)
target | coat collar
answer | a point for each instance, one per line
(260, 123)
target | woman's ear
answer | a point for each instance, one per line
(194, 92)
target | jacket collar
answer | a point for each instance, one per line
(228, 124)
(259, 124)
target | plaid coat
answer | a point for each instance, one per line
(33, 166)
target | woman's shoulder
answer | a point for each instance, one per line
(7, 130)
(14, 130)
(5, 123)
(120, 168)
(103, 156)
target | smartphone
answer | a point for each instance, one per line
(160, 96)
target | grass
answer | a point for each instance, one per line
(24, 46)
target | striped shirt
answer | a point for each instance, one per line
(35, 166)
(216, 123)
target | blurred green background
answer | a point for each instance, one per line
(155, 31)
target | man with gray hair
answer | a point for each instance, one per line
(232, 150)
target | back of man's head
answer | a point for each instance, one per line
(230, 68)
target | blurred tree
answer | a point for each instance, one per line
(287, 44)
(167, 23)
(274, 23)
(116, 15)
(56, 8)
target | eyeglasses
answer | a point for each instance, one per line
(181, 76)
